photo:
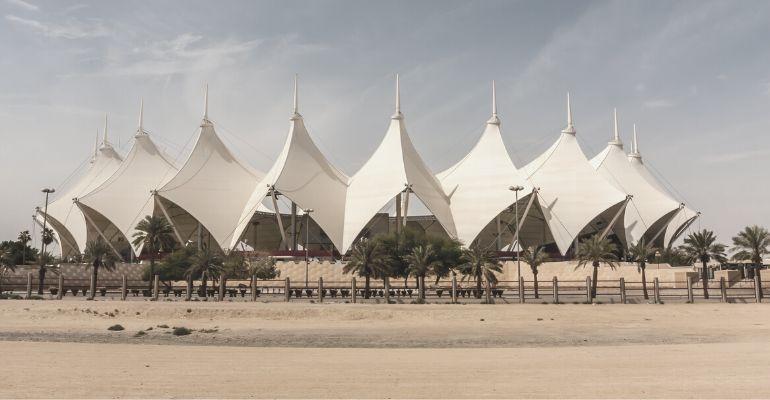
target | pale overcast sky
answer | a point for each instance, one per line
(693, 75)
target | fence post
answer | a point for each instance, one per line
(589, 299)
(623, 290)
(690, 297)
(222, 287)
(723, 289)
(287, 289)
(757, 288)
(155, 287)
(386, 283)
(254, 288)
(188, 295)
(454, 288)
(123, 287)
(488, 292)
(521, 290)
(29, 285)
(320, 289)
(353, 290)
(656, 290)
(555, 290)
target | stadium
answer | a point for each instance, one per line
(305, 203)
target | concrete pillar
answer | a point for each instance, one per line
(757, 288)
(287, 289)
(454, 288)
(123, 287)
(320, 289)
(623, 290)
(690, 297)
(555, 290)
(588, 290)
(60, 293)
(723, 289)
(656, 290)
(29, 285)
(222, 287)
(353, 294)
(156, 287)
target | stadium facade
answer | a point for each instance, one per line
(213, 199)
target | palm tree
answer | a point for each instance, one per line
(6, 264)
(480, 264)
(367, 259)
(155, 234)
(205, 263)
(24, 238)
(100, 255)
(422, 261)
(47, 237)
(703, 246)
(640, 253)
(752, 244)
(596, 251)
(534, 257)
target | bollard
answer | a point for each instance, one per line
(555, 290)
(521, 290)
(386, 283)
(589, 299)
(123, 287)
(188, 295)
(29, 285)
(353, 294)
(656, 290)
(287, 289)
(723, 290)
(320, 289)
(690, 297)
(623, 290)
(757, 288)
(254, 288)
(60, 292)
(222, 287)
(454, 288)
(156, 287)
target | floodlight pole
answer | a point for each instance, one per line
(307, 240)
(516, 190)
(47, 192)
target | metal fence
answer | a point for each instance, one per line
(399, 291)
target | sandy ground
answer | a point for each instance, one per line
(63, 349)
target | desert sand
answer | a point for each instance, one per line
(246, 350)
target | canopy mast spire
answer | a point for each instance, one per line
(96, 146)
(296, 96)
(494, 119)
(104, 134)
(616, 137)
(636, 143)
(570, 125)
(206, 103)
(141, 115)
(398, 99)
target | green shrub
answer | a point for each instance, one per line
(116, 327)
(181, 331)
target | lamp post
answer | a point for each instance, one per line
(307, 240)
(516, 189)
(41, 272)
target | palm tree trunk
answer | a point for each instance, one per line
(594, 280)
(366, 287)
(478, 285)
(705, 277)
(94, 277)
(643, 267)
(152, 269)
(537, 295)
(41, 278)
(759, 278)
(203, 283)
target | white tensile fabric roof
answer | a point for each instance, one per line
(303, 174)
(649, 206)
(125, 198)
(394, 165)
(571, 192)
(213, 185)
(63, 214)
(479, 183)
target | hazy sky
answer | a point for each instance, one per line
(693, 75)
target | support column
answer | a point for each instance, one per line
(522, 218)
(607, 230)
(103, 236)
(168, 217)
(398, 213)
(294, 226)
(274, 196)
